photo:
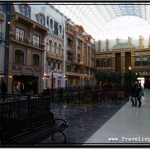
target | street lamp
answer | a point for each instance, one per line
(85, 79)
(65, 76)
(52, 85)
(130, 68)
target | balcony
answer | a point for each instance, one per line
(55, 55)
(79, 36)
(26, 41)
(69, 31)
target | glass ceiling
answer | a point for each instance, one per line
(94, 16)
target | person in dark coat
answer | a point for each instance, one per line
(3, 89)
(132, 94)
(47, 92)
(138, 94)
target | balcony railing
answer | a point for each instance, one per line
(26, 41)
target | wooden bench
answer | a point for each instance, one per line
(31, 130)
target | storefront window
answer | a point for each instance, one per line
(137, 61)
(144, 61)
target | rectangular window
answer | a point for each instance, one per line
(47, 21)
(68, 68)
(55, 28)
(78, 58)
(1, 33)
(79, 44)
(4, 8)
(26, 11)
(58, 66)
(42, 20)
(54, 65)
(36, 40)
(109, 62)
(19, 35)
(51, 23)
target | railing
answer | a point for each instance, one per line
(85, 95)
(27, 41)
(24, 108)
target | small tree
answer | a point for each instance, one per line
(101, 77)
(104, 77)
(129, 77)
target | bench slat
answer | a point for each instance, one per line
(32, 130)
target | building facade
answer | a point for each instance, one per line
(54, 53)
(4, 40)
(26, 50)
(41, 53)
(120, 56)
(80, 53)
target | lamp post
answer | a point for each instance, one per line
(65, 76)
(52, 86)
(129, 68)
(85, 79)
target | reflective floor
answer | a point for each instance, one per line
(83, 120)
(105, 124)
(130, 125)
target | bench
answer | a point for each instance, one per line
(31, 130)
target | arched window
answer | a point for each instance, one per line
(55, 47)
(50, 46)
(19, 56)
(36, 59)
(144, 61)
(26, 11)
(137, 61)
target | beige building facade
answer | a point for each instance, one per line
(80, 54)
(123, 56)
(26, 50)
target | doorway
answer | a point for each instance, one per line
(24, 81)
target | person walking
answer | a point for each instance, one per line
(138, 94)
(3, 89)
(16, 91)
(132, 94)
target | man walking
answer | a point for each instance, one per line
(138, 94)
(132, 94)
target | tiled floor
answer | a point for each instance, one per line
(130, 125)
(98, 125)
(83, 121)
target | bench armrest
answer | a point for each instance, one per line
(61, 122)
